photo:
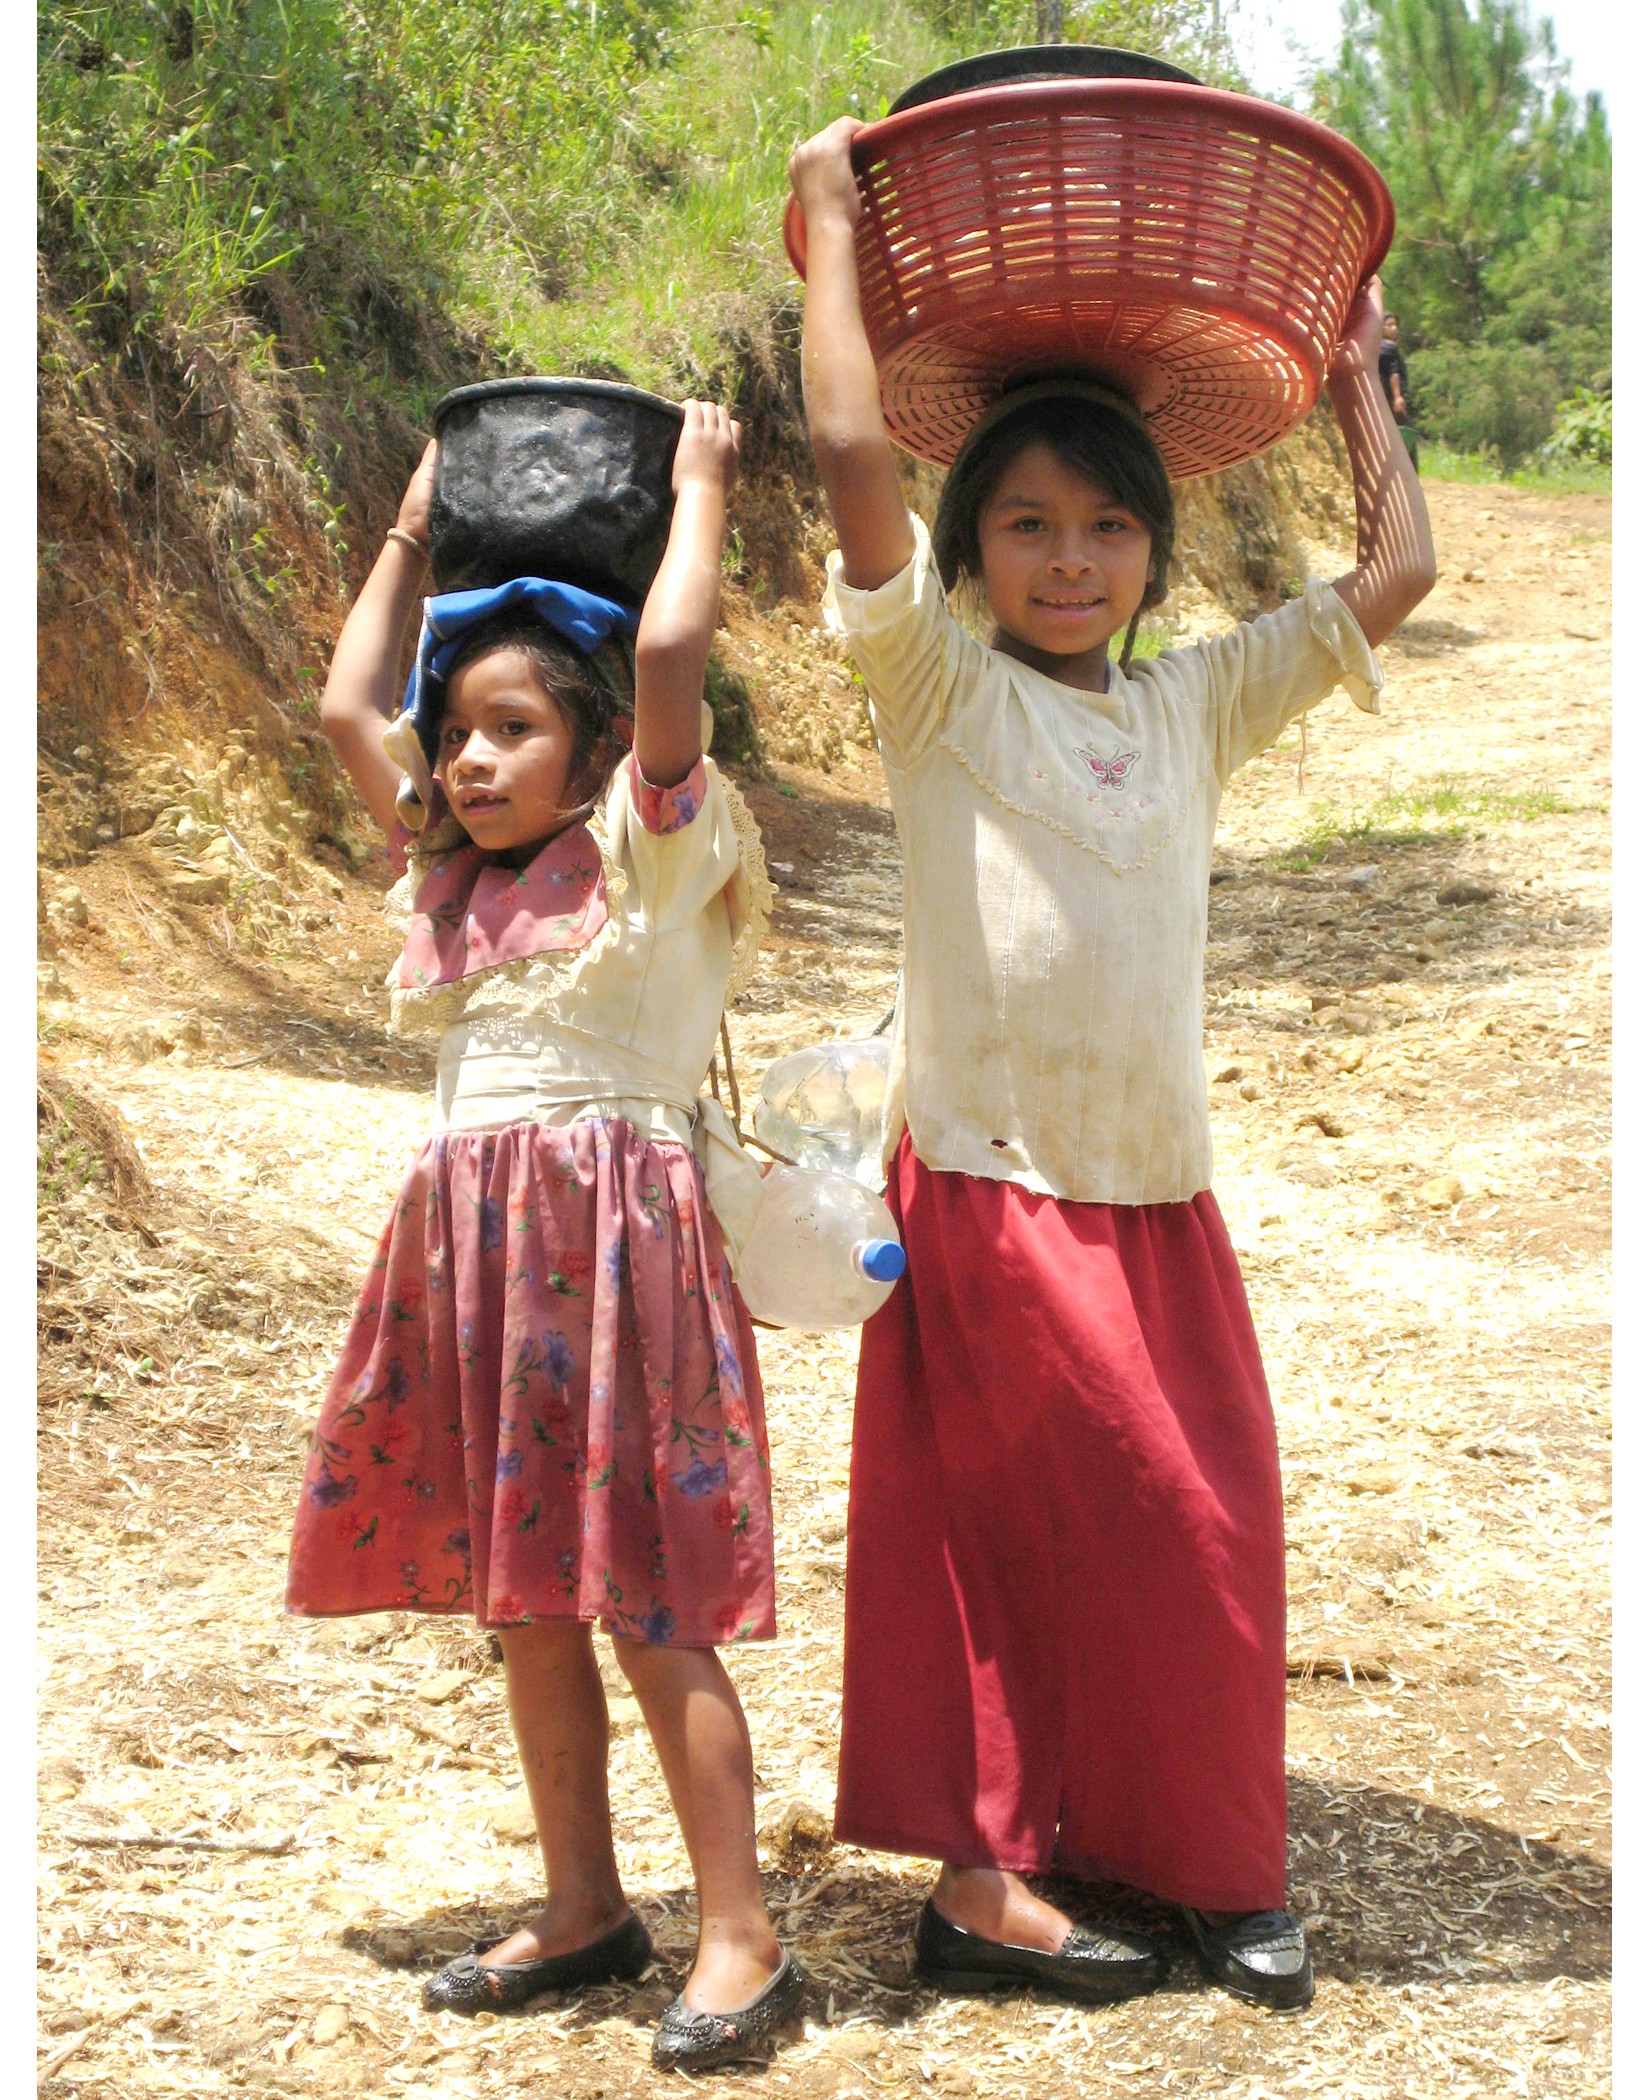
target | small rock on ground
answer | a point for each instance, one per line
(513, 1820)
(1442, 1192)
(437, 1690)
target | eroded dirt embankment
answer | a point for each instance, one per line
(207, 509)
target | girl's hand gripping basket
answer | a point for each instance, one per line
(1199, 249)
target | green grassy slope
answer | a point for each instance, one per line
(585, 184)
(274, 232)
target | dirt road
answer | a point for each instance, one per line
(1408, 1056)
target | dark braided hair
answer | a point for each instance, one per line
(595, 695)
(1108, 445)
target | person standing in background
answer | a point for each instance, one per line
(1395, 383)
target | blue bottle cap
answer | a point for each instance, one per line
(882, 1260)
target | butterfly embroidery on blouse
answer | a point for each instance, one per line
(1110, 772)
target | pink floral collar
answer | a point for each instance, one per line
(473, 913)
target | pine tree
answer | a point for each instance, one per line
(1500, 269)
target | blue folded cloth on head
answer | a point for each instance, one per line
(579, 617)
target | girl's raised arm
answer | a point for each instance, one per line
(363, 693)
(679, 617)
(839, 376)
(1396, 564)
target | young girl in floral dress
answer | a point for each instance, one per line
(1065, 1609)
(548, 1408)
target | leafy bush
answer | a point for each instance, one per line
(1582, 429)
(729, 700)
(1493, 397)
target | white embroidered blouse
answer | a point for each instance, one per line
(1057, 847)
(592, 981)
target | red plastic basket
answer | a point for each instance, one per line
(1199, 249)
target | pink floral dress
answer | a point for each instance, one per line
(548, 1402)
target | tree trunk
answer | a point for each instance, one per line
(1051, 21)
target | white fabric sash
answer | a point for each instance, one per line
(494, 1070)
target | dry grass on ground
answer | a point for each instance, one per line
(256, 1832)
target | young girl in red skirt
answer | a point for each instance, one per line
(548, 1409)
(1065, 1611)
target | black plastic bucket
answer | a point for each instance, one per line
(565, 478)
(1038, 62)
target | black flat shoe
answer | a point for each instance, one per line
(699, 2041)
(467, 1986)
(1094, 1967)
(1261, 1956)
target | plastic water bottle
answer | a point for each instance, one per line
(823, 1252)
(822, 1107)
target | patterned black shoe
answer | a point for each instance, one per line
(1261, 1956)
(1096, 1968)
(699, 2041)
(468, 1986)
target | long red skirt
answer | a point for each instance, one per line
(1065, 1637)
